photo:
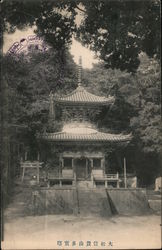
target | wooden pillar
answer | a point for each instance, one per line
(135, 181)
(74, 171)
(60, 167)
(86, 168)
(23, 173)
(125, 174)
(26, 155)
(38, 172)
(92, 177)
(91, 161)
(103, 165)
(38, 156)
(117, 176)
(73, 166)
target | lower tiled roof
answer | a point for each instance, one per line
(96, 137)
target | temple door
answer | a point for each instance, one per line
(80, 165)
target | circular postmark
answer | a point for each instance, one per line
(25, 45)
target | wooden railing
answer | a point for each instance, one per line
(106, 178)
(112, 176)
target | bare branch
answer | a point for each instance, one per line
(80, 9)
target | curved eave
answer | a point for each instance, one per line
(95, 137)
(82, 97)
(84, 103)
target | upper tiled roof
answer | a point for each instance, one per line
(94, 137)
(80, 95)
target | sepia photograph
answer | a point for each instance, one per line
(81, 134)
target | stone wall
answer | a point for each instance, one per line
(54, 201)
(74, 201)
(129, 201)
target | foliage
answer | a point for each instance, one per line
(147, 123)
(30, 80)
(107, 82)
(116, 30)
(119, 30)
(50, 19)
(136, 109)
(137, 100)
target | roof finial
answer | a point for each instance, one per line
(79, 71)
(51, 107)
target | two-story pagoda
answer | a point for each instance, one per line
(81, 148)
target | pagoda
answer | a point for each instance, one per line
(81, 148)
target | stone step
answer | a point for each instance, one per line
(92, 201)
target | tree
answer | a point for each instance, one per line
(147, 123)
(136, 109)
(50, 19)
(119, 30)
(107, 82)
(26, 84)
(30, 80)
(116, 30)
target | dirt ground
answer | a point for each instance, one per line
(67, 232)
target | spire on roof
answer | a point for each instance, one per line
(80, 71)
(51, 106)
